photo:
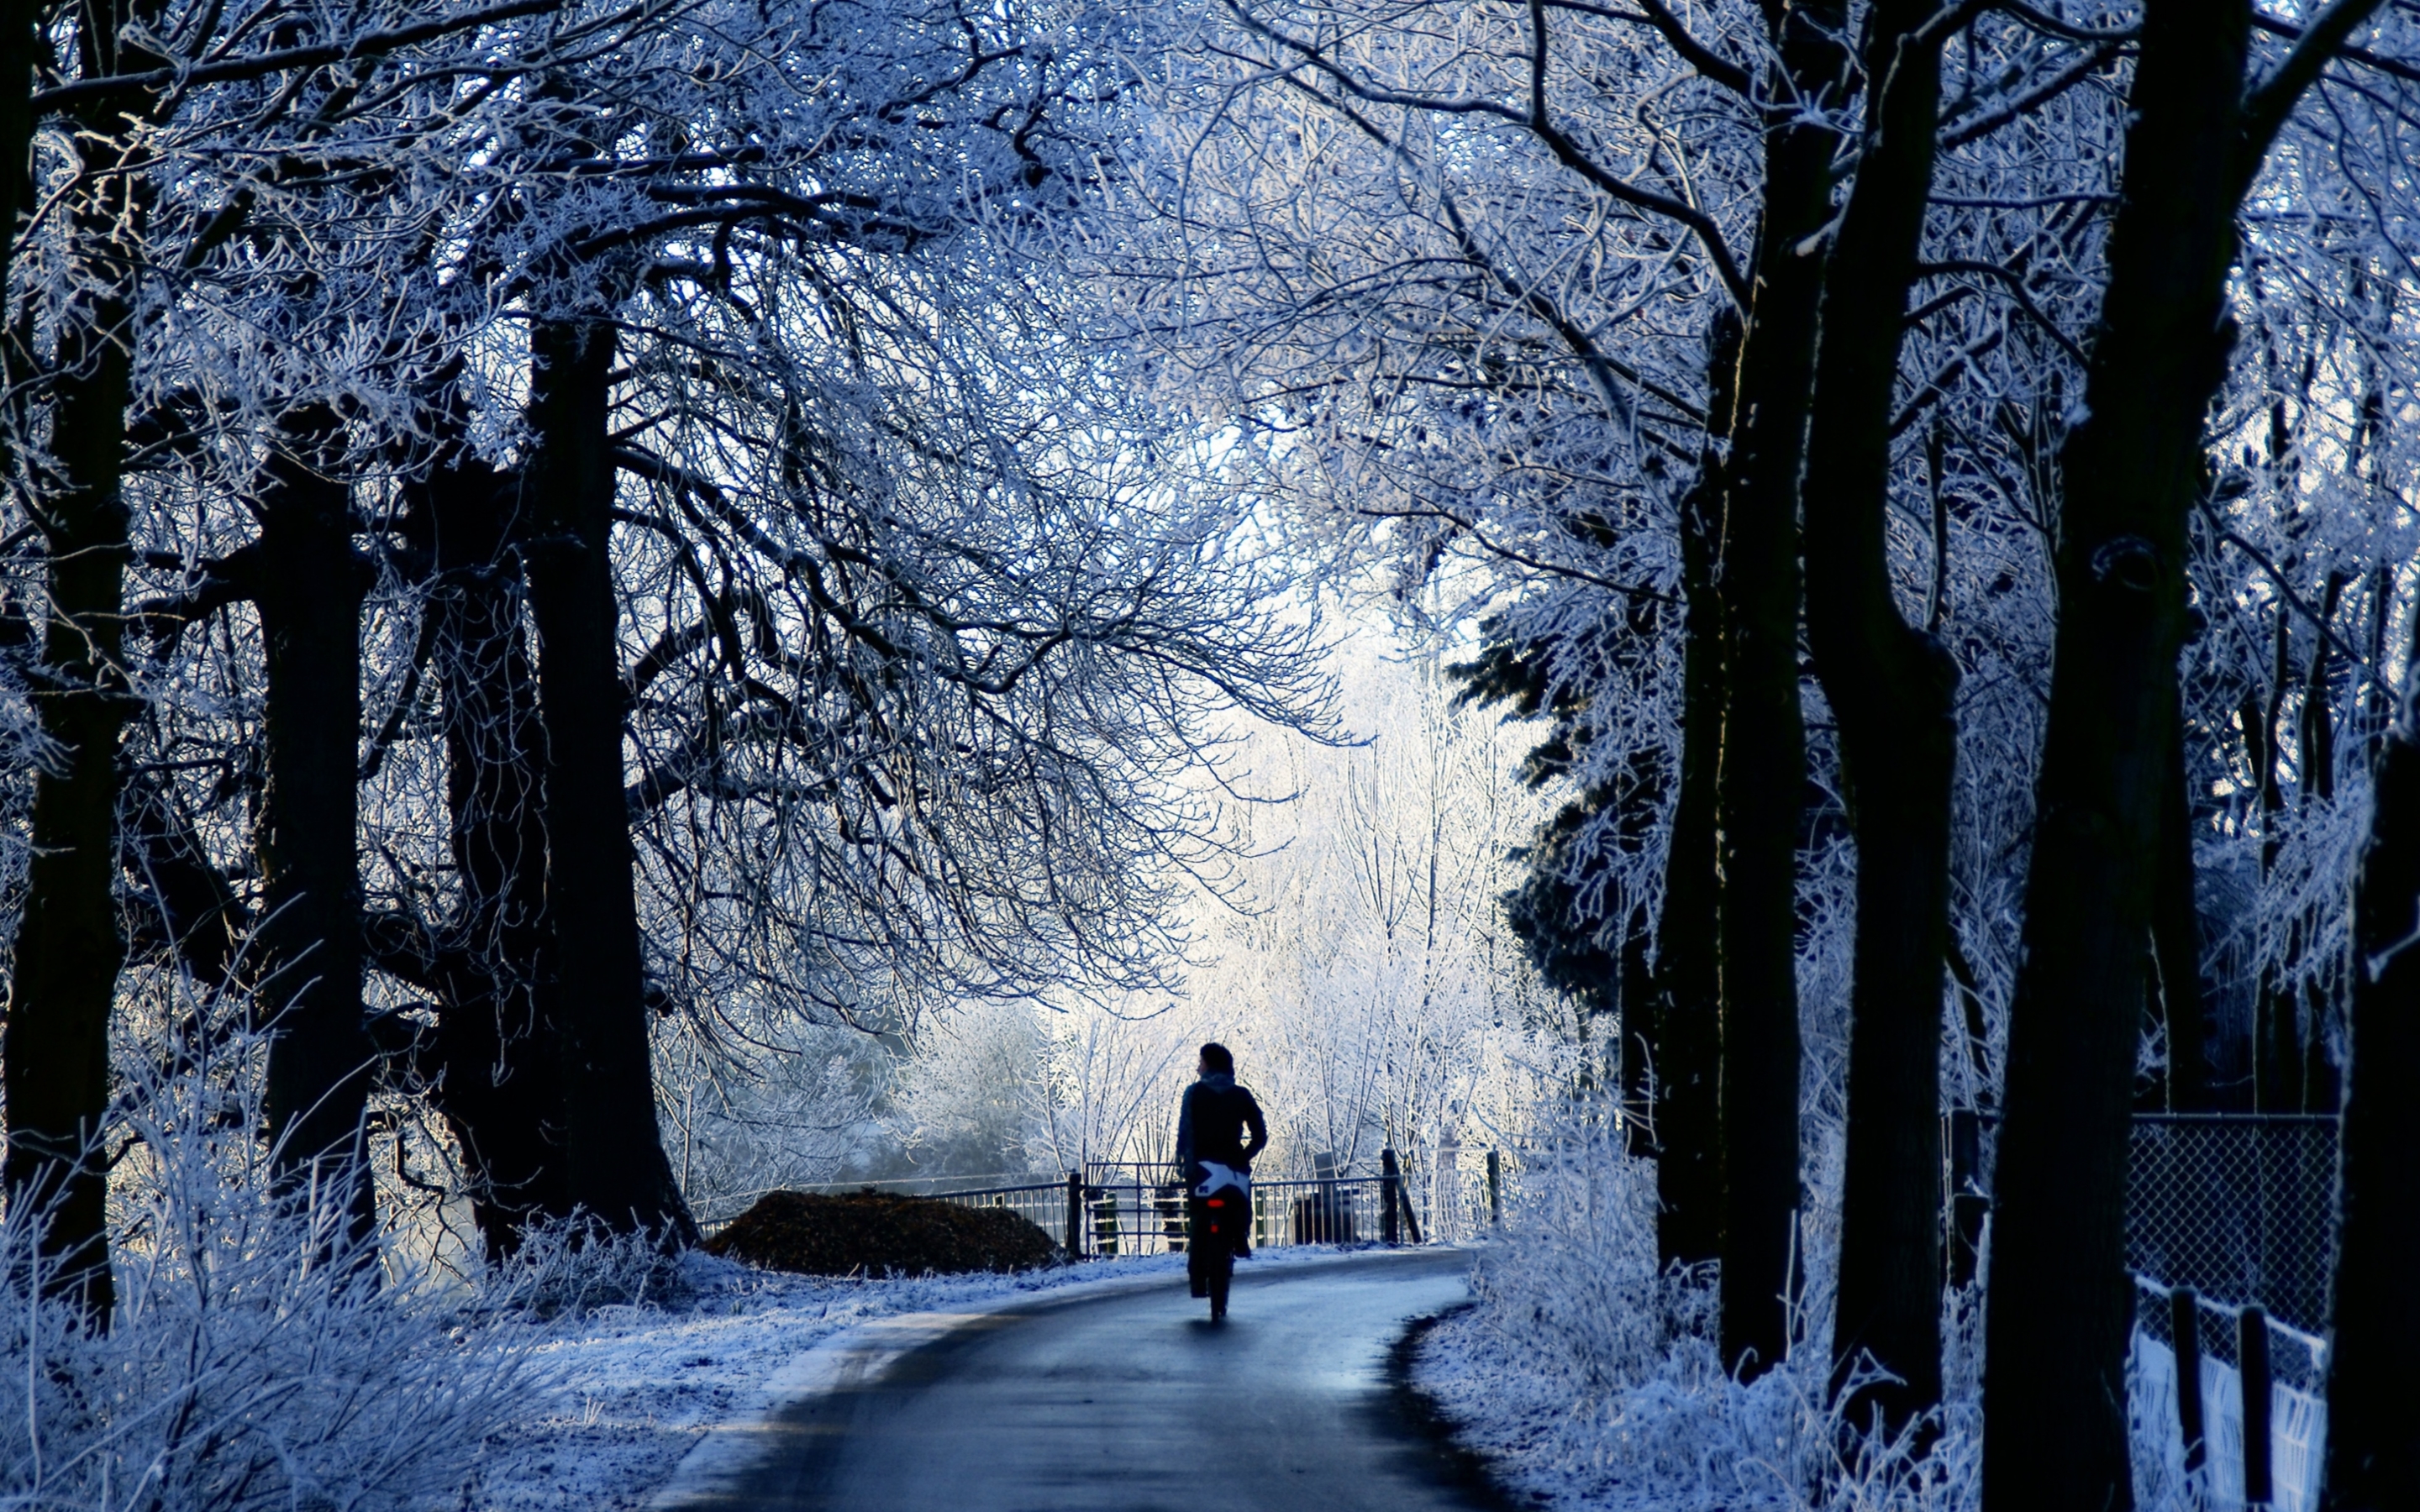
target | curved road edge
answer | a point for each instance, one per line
(1459, 1466)
(722, 1461)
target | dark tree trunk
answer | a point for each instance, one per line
(2176, 941)
(1762, 775)
(2320, 1088)
(69, 952)
(2373, 1394)
(2319, 714)
(309, 591)
(498, 1089)
(2276, 1071)
(1892, 689)
(1688, 1023)
(2054, 1388)
(594, 988)
(199, 919)
(21, 48)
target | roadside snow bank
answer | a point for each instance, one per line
(1592, 1381)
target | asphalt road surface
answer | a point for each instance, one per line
(1135, 1402)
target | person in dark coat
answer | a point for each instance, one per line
(1219, 1130)
(1220, 1123)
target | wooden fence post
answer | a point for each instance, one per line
(2184, 1328)
(1074, 1215)
(1495, 1191)
(1391, 1184)
(2251, 1364)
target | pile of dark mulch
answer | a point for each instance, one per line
(871, 1233)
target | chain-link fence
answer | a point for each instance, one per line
(2241, 1207)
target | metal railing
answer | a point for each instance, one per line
(1042, 1204)
(1138, 1208)
(1130, 1208)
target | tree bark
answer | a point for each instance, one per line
(2373, 1394)
(309, 592)
(68, 951)
(20, 49)
(200, 920)
(2054, 1385)
(2176, 941)
(2276, 1073)
(1688, 1002)
(1893, 689)
(1760, 785)
(498, 1089)
(593, 988)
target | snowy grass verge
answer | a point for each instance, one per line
(1591, 1382)
(257, 1357)
(637, 1388)
(1672, 1433)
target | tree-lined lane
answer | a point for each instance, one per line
(1134, 1403)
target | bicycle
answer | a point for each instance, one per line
(1216, 1232)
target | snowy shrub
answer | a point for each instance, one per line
(1595, 1379)
(258, 1357)
(574, 1267)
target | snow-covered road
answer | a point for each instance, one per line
(1130, 1401)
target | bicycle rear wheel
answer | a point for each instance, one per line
(1221, 1270)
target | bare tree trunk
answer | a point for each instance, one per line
(594, 987)
(200, 920)
(21, 48)
(54, 1054)
(1762, 782)
(1689, 1004)
(309, 588)
(2176, 941)
(2055, 1392)
(498, 1089)
(2276, 1076)
(1893, 690)
(68, 951)
(2373, 1394)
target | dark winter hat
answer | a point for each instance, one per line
(1216, 1056)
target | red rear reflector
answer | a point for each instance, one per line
(1213, 1202)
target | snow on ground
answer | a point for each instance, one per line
(1684, 1439)
(635, 1388)
(1511, 1418)
(1591, 1380)
(1668, 1431)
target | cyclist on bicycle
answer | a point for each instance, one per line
(1217, 1132)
